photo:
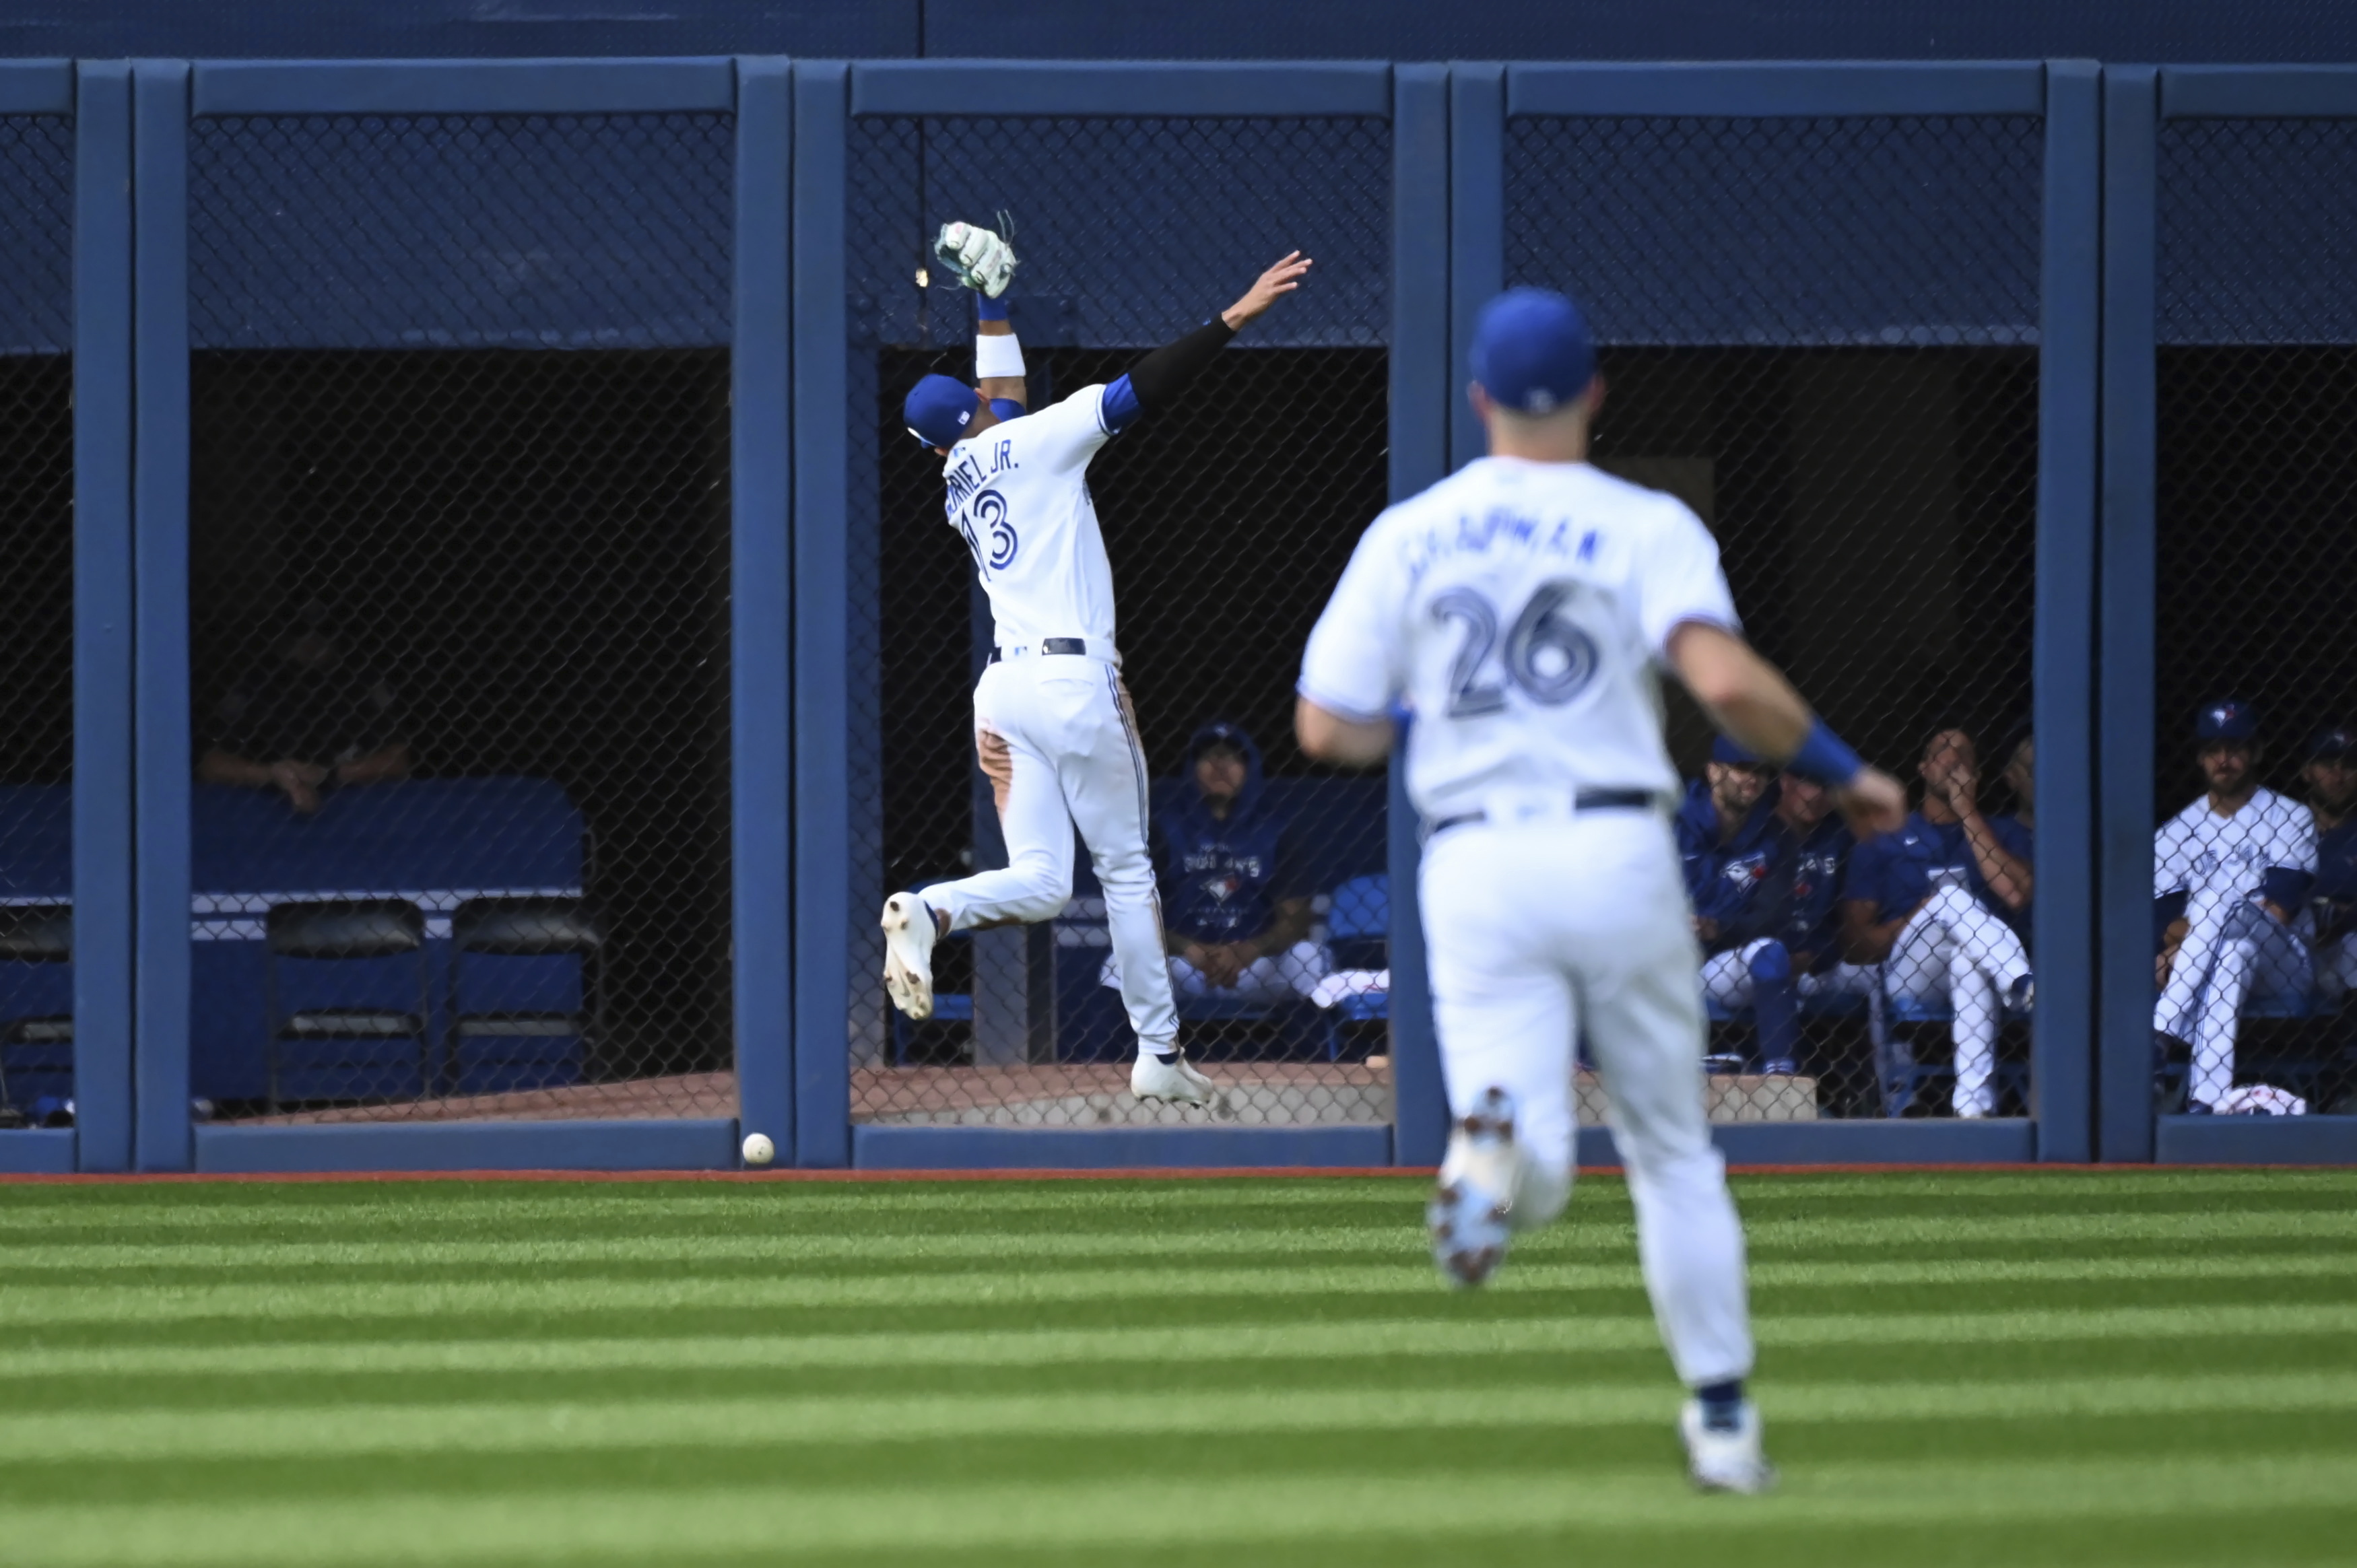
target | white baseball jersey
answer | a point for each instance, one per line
(1018, 493)
(2198, 851)
(1522, 608)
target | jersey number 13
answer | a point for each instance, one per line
(989, 516)
(1546, 655)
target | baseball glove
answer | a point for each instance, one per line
(977, 256)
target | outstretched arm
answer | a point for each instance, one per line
(1157, 378)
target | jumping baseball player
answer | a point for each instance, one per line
(2241, 860)
(1053, 725)
(1929, 903)
(1521, 609)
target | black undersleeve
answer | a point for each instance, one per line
(1158, 377)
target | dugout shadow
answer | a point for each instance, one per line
(1876, 511)
(2255, 500)
(532, 548)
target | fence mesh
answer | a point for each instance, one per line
(1227, 520)
(459, 564)
(36, 618)
(1821, 334)
(2257, 406)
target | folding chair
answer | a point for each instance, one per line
(37, 1049)
(337, 930)
(526, 927)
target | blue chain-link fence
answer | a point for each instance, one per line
(458, 605)
(1822, 333)
(1227, 519)
(36, 620)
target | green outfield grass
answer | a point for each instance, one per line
(2150, 1369)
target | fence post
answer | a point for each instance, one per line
(761, 599)
(161, 836)
(822, 853)
(104, 1090)
(1477, 225)
(1420, 395)
(2063, 661)
(2125, 646)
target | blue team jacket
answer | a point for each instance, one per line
(1812, 915)
(2336, 881)
(1742, 885)
(1220, 878)
(1894, 871)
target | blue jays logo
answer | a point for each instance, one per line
(1748, 872)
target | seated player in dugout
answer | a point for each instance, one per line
(2231, 875)
(1818, 843)
(309, 720)
(1235, 905)
(1736, 870)
(1932, 904)
(2330, 776)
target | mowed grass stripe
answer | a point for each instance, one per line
(30, 1306)
(1326, 1340)
(197, 1206)
(951, 1521)
(267, 1432)
(853, 1246)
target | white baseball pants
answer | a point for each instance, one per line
(1954, 946)
(1540, 930)
(1060, 745)
(2231, 946)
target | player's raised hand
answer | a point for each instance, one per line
(1267, 290)
(1874, 802)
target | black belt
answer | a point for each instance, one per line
(1077, 647)
(1586, 800)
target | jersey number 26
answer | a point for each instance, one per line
(1547, 656)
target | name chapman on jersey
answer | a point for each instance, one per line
(965, 476)
(1500, 525)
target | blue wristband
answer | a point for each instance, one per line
(988, 309)
(1824, 758)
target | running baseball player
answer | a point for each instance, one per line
(1519, 611)
(1053, 725)
(2235, 867)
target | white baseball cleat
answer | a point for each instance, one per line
(1175, 1080)
(909, 937)
(1468, 1215)
(1730, 1461)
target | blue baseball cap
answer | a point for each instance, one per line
(2229, 720)
(1724, 750)
(938, 410)
(1531, 351)
(2337, 744)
